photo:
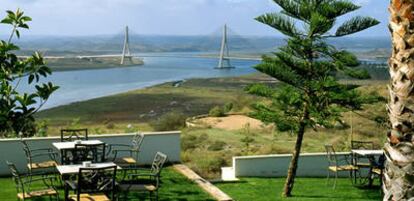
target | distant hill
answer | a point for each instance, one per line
(107, 44)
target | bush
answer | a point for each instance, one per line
(217, 145)
(188, 142)
(216, 112)
(169, 121)
(211, 164)
(42, 127)
(227, 107)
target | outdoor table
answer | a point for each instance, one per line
(64, 147)
(67, 170)
(370, 154)
(366, 153)
(74, 169)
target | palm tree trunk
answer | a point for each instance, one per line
(290, 180)
(399, 151)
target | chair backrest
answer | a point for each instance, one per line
(95, 180)
(137, 141)
(16, 178)
(158, 163)
(331, 155)
(362, 145)
(68, 135)
(88, 152)
(27, 151)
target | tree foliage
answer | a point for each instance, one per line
(17, 108)
(308, 66)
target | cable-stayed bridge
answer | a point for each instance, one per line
(222, 39)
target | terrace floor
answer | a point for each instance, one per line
(174, 187)
(306, 189)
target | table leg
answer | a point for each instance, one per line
(62, 157)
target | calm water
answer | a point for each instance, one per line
(88, 84)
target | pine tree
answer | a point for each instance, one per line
(311, 95)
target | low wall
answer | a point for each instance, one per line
(310, 165)
(166, 142)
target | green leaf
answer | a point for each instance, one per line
(6, 21)
(319, 24)
(355, 24)
(17, 33)
(31, 77)
(280, 22)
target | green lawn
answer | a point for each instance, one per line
(306, 189)
(174, 187)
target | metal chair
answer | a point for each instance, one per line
(132, 151)
(88, 152)
(378, 168)
(24, 188)
(338, 165)
(143, 180)
(68, 135)
(36, 158)
(362, 145)
(96, 184)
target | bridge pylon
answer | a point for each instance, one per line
(126, 52)
(224, 60)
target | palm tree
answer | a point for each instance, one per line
(399, 149)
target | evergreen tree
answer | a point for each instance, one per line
(17, 108)
(308, 67)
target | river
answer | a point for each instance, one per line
(79, 85)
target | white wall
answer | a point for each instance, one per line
(166, 142)
(310, 165)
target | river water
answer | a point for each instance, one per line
(82, 85)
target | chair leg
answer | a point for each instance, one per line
(327, 179)
(336, 178)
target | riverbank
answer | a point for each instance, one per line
(68, 64)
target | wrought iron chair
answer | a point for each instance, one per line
(143, 180)
(68, 135)
(26, 191)
(97, 184)
(87, 152)
(378, 168)
(36, 158)
(362, 145)
(132, 150)
(337, 164)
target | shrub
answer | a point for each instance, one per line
(217, 145)
(42, 127)
(169, 121)
(228, 107)
(188, 142)
(216, 112)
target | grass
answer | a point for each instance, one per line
(306, 189)
(174, 187)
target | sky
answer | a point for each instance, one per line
(162, 17)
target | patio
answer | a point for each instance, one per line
(174, 187)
